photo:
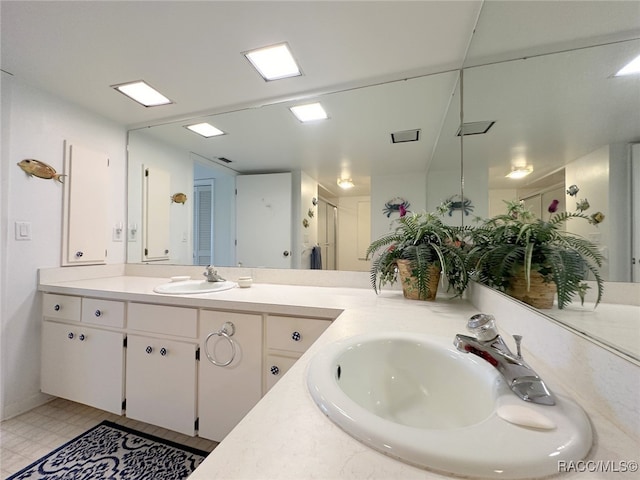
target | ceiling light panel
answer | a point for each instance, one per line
(274, 62)
(205, 129)
(519, 172)
(631, 68)
(310, 112)
(142, 93)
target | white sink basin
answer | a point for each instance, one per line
(193, 286)
(432, 406)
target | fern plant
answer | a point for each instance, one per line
(517, 240)
(422, 239)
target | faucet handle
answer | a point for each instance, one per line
(518, 339)
(483, 326)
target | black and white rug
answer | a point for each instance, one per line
(112, 452)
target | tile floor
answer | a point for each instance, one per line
(27, 437)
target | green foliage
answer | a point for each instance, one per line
(423, 239)
(505, 243)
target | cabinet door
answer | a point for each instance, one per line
(227, 393)
(161, 382)
(86, 188)
(83, 364)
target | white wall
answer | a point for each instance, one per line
(410, 187)
(34, 125)
(591, 174)
(348, 256)
(305, 189)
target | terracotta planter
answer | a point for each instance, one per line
(410, 283)
(540, 294)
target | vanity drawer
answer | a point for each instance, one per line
(293, 334)
(178, 321)
(109, 313)
(276, 367)
(61, 306)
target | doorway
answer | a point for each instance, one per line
(328, 233)
(203, 222)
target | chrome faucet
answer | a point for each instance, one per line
(212, 275)
(489, 345)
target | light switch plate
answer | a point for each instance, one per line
(23, 230)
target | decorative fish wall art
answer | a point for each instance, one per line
(178, 198)
(36, 168)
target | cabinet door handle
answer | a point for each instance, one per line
(57, 307)
(274, 370)
(149, 349)
(296, 336)
(70, 335)
(81, 337)
(163, 351)
(79, 254)
(98, 313)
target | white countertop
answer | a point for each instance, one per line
(286, 436)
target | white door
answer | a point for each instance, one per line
(263, 220)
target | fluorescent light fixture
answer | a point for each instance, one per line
(142, 93)
(205, 129)
(631, 68)
(309, 112)
(345, 183)
(519, 172)
(274, 62)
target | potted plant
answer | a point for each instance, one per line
(418, 251)
(532, 259)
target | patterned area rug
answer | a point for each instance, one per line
(112, 452)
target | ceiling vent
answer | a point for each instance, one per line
(405, 136)
(475, 128)
(225, 160)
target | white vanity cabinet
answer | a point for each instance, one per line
(287, 338)
(82, 362)
(161, 370)
(190, 369)
(230, 373)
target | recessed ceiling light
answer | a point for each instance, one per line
(142, 93)
(630, 68)
(519, 172)
(309, 112)
(205, 129)
(345, 183)
(274, 62)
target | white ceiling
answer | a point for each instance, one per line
(192, 52)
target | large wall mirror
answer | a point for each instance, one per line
(573, 122)
(396, 141)
(563, 113)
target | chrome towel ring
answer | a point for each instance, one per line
(227, 331)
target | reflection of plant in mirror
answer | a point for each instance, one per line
(517, 242)
(424, 240)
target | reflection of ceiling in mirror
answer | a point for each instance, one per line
(354, 142)
(551, 110)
